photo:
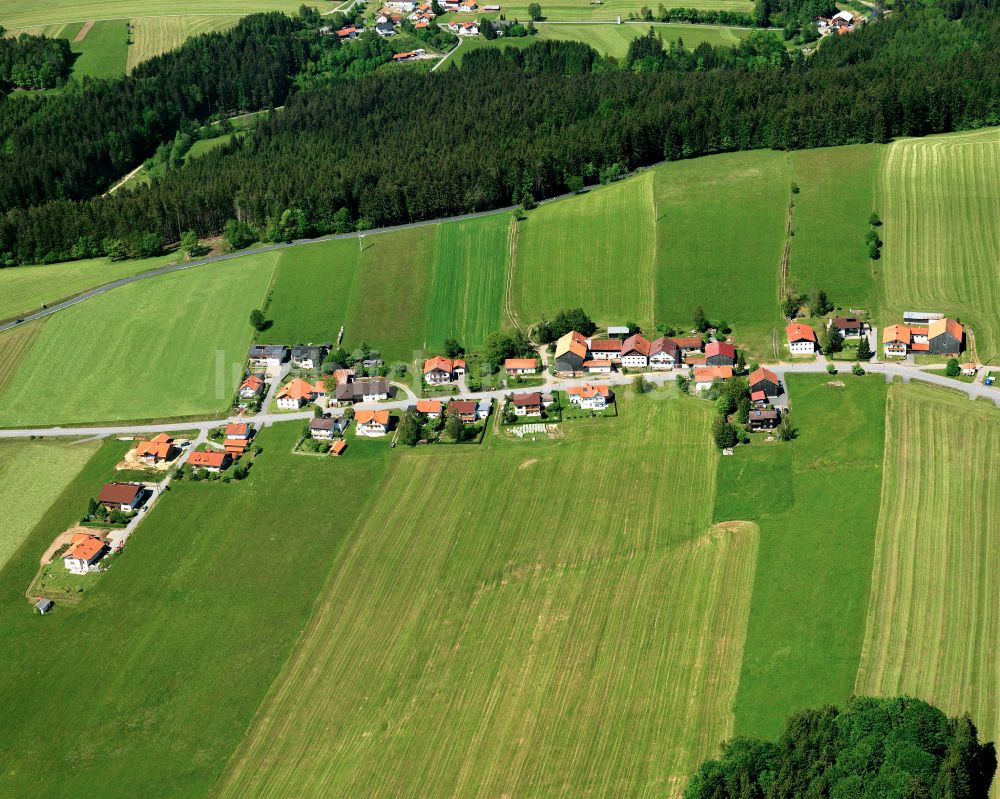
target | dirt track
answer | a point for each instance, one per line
(84, 31)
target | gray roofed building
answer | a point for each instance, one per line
(309, 356)
(385, 29)
(364, 389)
(262, 353)
(44, 605)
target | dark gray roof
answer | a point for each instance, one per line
(308, 352)
(322, 423)
(385, 27)
(268, 351)
(355, 390)
(44, 605)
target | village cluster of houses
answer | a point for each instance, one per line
(923, 333)
(421, 15)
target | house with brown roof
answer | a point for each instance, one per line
(635, 352)
(83, 553)
(432, 409)
(571, 352)
(121, 496)
(848, 326)
(326, 428)
(705, 376)
(688, 345)
(760, 419)
(944, 337)
(530, 404)
(766, 381)
(251, 388)
(604, 349)
(521, 366)
(801, 339)
(590, 397)
(439, 370)
(211, 460)
(470, 411)
(720, 353)
(159, 449)
(371, 423)
(664, 353)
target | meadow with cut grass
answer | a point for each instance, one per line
(152, 36)
(720, 230)
(527, 644)
(32, 475)
(934, 614)
(595, 250)
(103, 51)
(14, 346)
(24, 289)
(468, 281)
(22, 13)
(378, 293)
(173, 346)
(816, 501)
(939, 200)
(585, 10)
(178, 642)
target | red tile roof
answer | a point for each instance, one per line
(636, 343)
(523, 400)
(237, 430)
(796, 332)
(707, 374)
(720, 348)
(338, 446)
(428, 406)
(520, 363)
(605, 345)
(378, 417)
(119, 493)
(587, 391)
(758, 396)
(763, 374)
(209, 458)
(445, 364)
(688, 343)
(84, 547)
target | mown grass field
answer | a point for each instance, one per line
(103, 51)
(532, 644)
(608, 10)
(154, 35)
(26, 288)
(32, 475)
(14, 346)
(720, 229)
(153, 678)
(173, 346)
(934, 615)
(816, 501)
(22, 13)
(595, 250)
(468, 280)
(939, 200)
(836, 196)
(379, 295)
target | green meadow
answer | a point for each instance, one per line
(103, 51)
(23, 13)
(720, 230)
(816, 501)
(173, 346)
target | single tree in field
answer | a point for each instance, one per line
(453, 349)
(819, 304)
(453, 426)
(790, 305)
(409, 429)
(257, 320)
(640, 385)
(864, 350)
(535, 12)
(700, 320)
(723, 433)
(874, 220)
(786, 432)
(953, 369)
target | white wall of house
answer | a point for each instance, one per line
(802, 347)
(661, 361)
(635, 361)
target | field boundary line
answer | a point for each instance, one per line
(508, 303)
(84, 31)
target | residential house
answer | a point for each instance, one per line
(848, 326)
(688, 345)
(597, 367)
(324, 428)
(469, 29)
(705, 376)
(410, 55)
(343, 375)
(371, 423)
(571, 352)
(267, 356)
(298, 392)
(406, 6)
(470, 411)
(944, 337)
(160, 449)
(251, 388)
(527, 404)
(238, 435)
(758, 398)
(521, 366)
(337, 447)
(635, 352)
(432, 409)
(801, 339)
(604, 349)
(766, 381)
(211, 460)
(439, 370)
(764, 419)
(969, 369)
(364, 389)
(121, 496)
(467, 7)
(898, 340)
(385, 29)
(720, 353)
(83, 553)
(348, 33)
(309, 356)
(590, 397)
(664, 353)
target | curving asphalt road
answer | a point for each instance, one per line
(889, 370)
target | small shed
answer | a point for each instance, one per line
(44, 605)
(618, 330)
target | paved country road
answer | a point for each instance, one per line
(889, 370)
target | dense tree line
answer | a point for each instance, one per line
(873, 748)
(522, 124)
(33, 62)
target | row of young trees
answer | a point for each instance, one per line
(33, 62)
(505, 127)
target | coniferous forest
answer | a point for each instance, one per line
(358, 145)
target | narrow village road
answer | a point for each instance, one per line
(888, 370)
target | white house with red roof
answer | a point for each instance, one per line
(83, 553)
(439, 370)
(635, 352)
(590, 397)
(801, 339)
